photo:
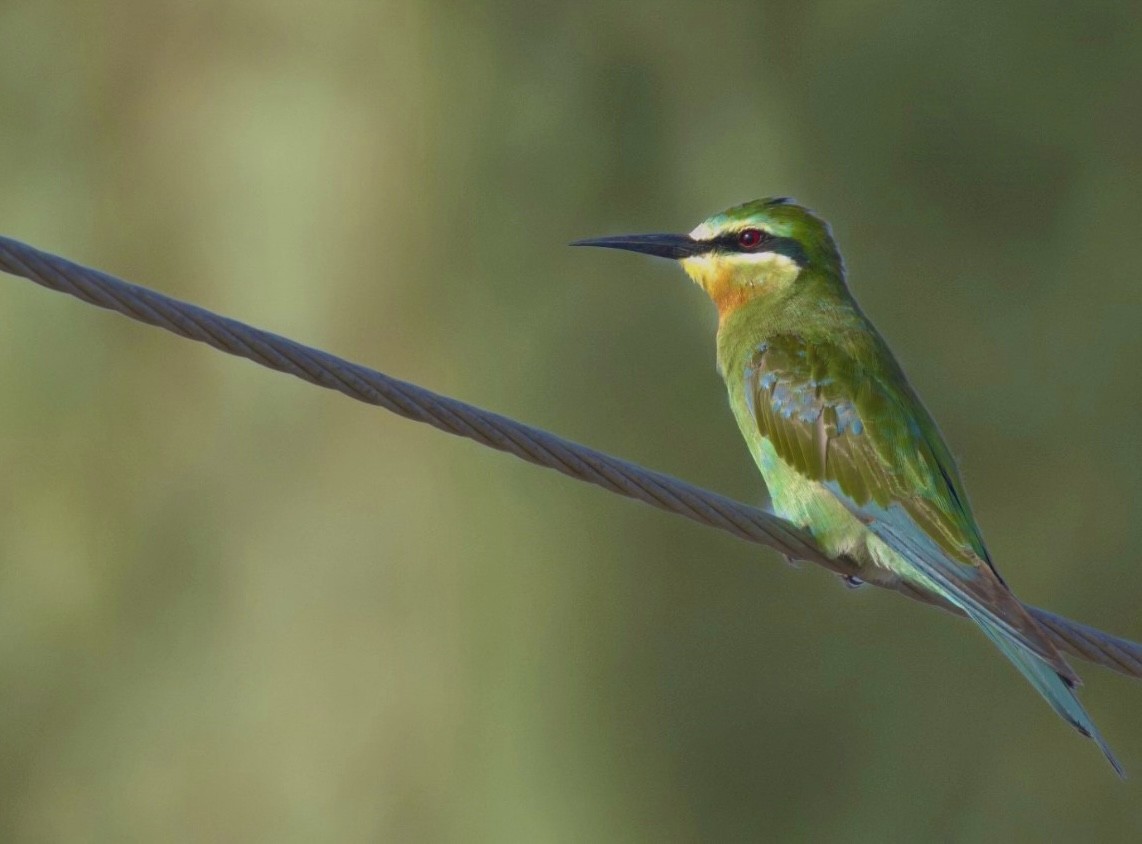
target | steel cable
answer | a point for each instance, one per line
(455, 417)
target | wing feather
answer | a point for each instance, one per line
(872, 443)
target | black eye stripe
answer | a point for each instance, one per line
(787, 246)
(731, 241)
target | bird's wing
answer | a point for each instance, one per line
(870, 441)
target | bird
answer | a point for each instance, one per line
(843, 442)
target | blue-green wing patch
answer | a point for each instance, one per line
(875, 447)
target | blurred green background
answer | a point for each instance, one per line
(234, 607)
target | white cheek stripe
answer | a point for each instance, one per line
(770, 260)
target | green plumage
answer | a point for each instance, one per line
(844, 444)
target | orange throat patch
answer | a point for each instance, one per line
(727, 296)
(733, 281)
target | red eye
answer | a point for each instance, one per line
(750, 238)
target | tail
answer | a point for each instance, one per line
(1058, 691)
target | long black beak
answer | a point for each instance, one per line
(675, 246)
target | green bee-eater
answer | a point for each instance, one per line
(843, 442)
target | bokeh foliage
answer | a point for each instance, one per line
(233, 607)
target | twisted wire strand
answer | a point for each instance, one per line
(490, 429)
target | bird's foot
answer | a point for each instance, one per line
(851, 582)
(793, 562)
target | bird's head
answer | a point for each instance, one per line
(758, 249)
